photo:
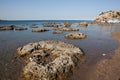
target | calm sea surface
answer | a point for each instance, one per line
(99, 41)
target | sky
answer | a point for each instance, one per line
(55, 9)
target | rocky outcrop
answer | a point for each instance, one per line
(109, 15)
(50, 24)
(75, 35)
(20, 28)
(57, 32)
(40, 30)
(12, 27)
(7, 28)
(67, 29)
(83, 24)
(49, 60)
(67, 24)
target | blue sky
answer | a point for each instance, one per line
(55, 9)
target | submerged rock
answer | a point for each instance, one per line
(49, 60)
(75, 35)
(40, 30)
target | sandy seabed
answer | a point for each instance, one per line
(109, 69)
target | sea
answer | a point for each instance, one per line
(98, 41)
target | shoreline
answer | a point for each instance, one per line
(108, 69)
(104, 69)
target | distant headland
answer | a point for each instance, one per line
(108, 17)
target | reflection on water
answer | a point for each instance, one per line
(98, 41)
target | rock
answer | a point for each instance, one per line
(99, 24)
(57, 32)
(49, 60)
(7, 27)
(75, 35)
(12, 27)
(67, 24)
(67, 29)
(2, 28)
(20, 28)
(50, 24)
(40, 30)
(51, 71)
(27, 49)
(105, 17)
(83, 24)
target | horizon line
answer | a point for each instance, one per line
(39, 19)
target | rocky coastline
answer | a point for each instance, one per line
(108, 17)
(56, 60)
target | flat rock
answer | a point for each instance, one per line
(67, 29)
(40, 30)
(50, 24)
(83, 24)
(75, 35)
(7, 28)
(67, 24)
(57, 32)
(20, 28)
(49, 60)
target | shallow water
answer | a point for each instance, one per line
(98, 41)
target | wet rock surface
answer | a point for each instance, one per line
(83, 24)
(49, 60)
(40, 30)
(67, 24)
(20, 28)
(67, 29)
(75, 35)
(11, 27)
(50, 24)
(57, 32)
